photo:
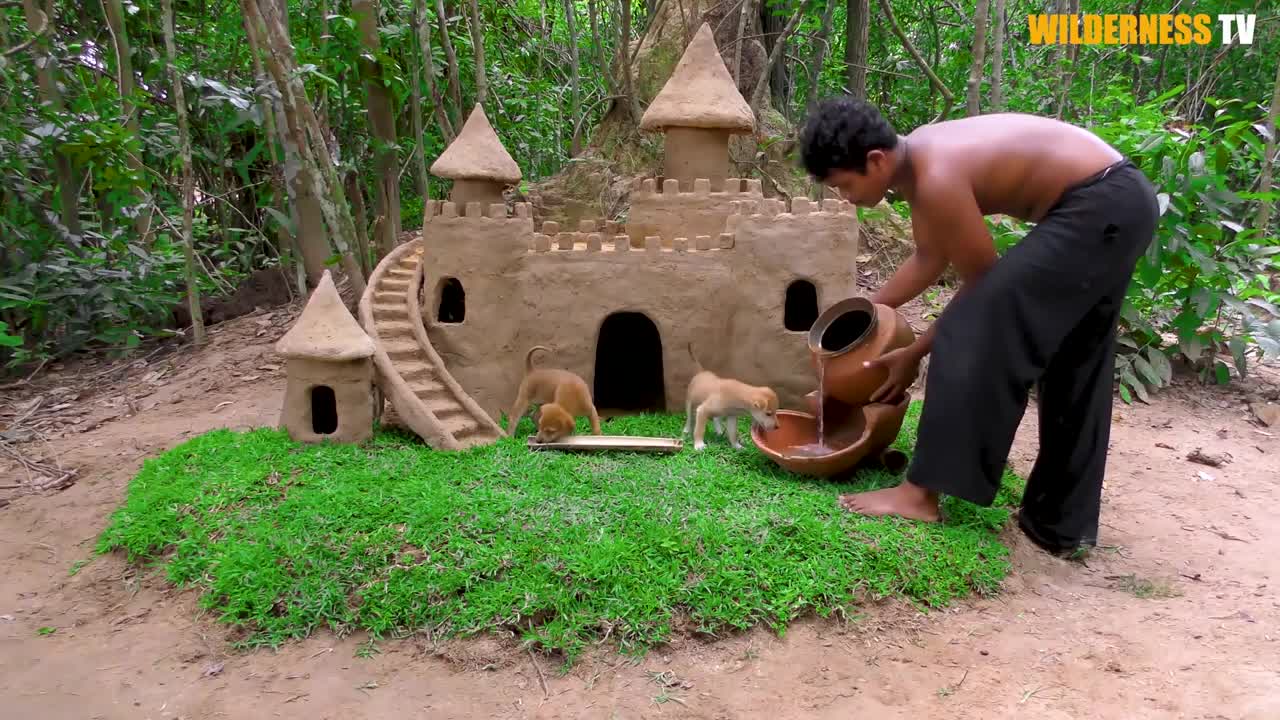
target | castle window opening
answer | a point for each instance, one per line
(628, 372)
(453, 302)
(801, 307)
(324, 410)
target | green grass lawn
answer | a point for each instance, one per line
(282, 538)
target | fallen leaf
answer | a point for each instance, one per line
(212, 670)
(1205, 476)
(1165, 446)
(251, 378)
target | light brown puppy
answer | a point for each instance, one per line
(563, 396)
(717, 398)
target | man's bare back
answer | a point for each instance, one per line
(1017, 165)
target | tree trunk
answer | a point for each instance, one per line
(598, 46)
(428, 68)
(857, 35)
(415, 110)
(779, 44)
(305, 130)
(41, 22)
(980, 21)
(284, 238)
(1137, 65)
(624, 62)
(477, 41)
(997, 59)
(773, 26)
(743, 14)
(947, 97)
(359, 217)
(575, 102)
(1269, 157)
(188, 179)
(455, 82)
(305, 214)
(382, 124)
(125, 81)
(1064, 55)
(542, 32)
(820, 46)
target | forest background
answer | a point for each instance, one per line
(155, 157)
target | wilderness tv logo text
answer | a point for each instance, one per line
(1151, 29)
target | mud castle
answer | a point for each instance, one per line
(704, 260)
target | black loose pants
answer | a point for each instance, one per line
(1045, 313)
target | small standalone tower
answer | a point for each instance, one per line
(697, 110)
(328, 372)
(478, 164)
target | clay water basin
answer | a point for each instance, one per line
(860, 438)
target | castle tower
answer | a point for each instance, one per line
(328, 372)
(478, 164)
(697, 110)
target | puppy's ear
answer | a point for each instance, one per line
(757, 403)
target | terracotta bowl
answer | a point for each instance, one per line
(863, 438)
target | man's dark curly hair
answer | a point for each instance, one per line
(840, 132)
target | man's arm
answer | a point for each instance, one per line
(949, 219)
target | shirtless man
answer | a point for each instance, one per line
(1044, 314)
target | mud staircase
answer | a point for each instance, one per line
(423, 394)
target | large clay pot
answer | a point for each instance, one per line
(849, 333)
(862, 437)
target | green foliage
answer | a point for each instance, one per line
(563, 549)
(1203, 288)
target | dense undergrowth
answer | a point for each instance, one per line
(565, 550)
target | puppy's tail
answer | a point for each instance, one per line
(694, 357)
(528, 358)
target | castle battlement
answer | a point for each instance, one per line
(799, 206)
(701, 188)
(445, 210)
(800, 212)
(593, 242)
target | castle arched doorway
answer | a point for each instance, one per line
(628, 369)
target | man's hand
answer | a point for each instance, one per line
(903, 366)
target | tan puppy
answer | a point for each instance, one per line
(563, 396)
(717, 398)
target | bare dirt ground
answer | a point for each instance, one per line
(1175, 618)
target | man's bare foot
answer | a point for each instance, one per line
(905, 500)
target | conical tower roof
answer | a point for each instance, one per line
(326, 330)
(477, 154)
(700, 92)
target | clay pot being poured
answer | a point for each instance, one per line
(849, 333)
(843, 430)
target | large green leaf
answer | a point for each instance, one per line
(1136, 385)
(1160, 362)
(1147, 372)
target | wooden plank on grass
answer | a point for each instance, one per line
(596, 443)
